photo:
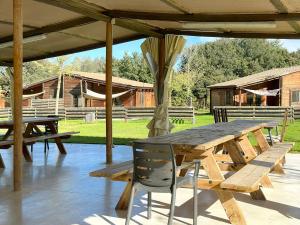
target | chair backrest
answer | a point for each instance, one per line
(220, 115)
(154, 165)
(47, 128)
(284, 125)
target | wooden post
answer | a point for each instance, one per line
(161, 68)
(240, 97)
(17, 93)
(108, 91)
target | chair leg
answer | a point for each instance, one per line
(172, 208)
(149, 205)
(195, 202)
(31, 148)
(130, 205)
(195, 185)
(46, 146)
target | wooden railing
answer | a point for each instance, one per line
(46, 103)
(258, 112)
(182, 113)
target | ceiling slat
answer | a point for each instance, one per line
(95, 12)
(282, 8)
(201, 17)
(53, 28)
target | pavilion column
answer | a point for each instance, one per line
(108, 91)
(17, 92)
(240, 97)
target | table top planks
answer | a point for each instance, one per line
(7, 123)
(206, 137)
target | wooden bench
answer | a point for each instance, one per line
(115, 172)
(249, 178)
(5, 144)
(31, 140)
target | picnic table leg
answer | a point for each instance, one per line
(235, 150)
(258, 195)
(57, 140)
(8, 133)
(278, 168)
(124, 199)
(2, 165)
(227, 199)
(261, 140)
(26, 153)
(27, 133)
(179, 160)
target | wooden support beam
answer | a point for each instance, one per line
(261, 140)
(95, 11)
(7, 64)
(161, 68)
(240, 97)
(176, 5)
(282, 8)
(205, 17)
(17, 93)
(233, 34)
(108, 91)
(53, 28)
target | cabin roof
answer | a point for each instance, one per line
(257, 78)
(98, 77)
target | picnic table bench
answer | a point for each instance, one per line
(33, 134)
(249, 166)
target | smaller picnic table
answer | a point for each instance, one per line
(30, 137)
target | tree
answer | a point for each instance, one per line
(133, 67)
(181, 88)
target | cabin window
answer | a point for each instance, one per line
(296, 96)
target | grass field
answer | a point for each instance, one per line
(125, 132)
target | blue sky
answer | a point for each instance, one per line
(134, 46)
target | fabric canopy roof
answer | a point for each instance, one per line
(57, 27)
(95, 95)
(33, 95)
(264, 92)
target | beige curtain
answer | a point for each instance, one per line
(160, 124)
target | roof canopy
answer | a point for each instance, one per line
(96, 77)
(257, 78)
(66, 26)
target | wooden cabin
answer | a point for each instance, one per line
(243, 91)
(82, 89)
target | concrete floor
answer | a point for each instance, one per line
(58, 191)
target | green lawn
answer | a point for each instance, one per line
(125, 132)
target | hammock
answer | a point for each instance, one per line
(95, 95)
(264, 92)
(33, 95)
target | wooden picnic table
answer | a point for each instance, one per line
(201, 143)
(32, 133)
